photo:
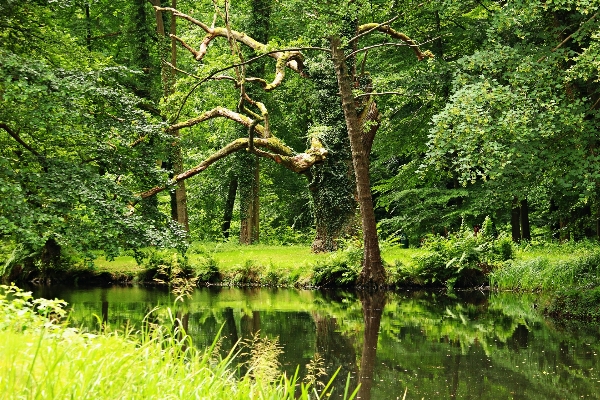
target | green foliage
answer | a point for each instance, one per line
(20, 312)
(339, 269)
(69, 169)
(170, 268)
(459, 260)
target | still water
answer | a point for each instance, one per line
(470, 345)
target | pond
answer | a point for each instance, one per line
(468, 345)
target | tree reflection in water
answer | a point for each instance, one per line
(372, 307)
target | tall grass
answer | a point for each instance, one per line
(550, 267)
(43, 359)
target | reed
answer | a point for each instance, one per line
(41, 358)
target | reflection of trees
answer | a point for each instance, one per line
(372, 305)
(336, 350)
(470, 345)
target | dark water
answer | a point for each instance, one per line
(464, 346)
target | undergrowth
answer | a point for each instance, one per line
(554, 267)
(462, 259)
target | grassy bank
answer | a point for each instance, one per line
(460, 260)
(43, 359)
(233, 264)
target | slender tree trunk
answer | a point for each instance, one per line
(229, 203)
(372, 273)
(525, 229)
(181, 211)
(250, 204)
(88, 27)
(515, 221)
(555, 225)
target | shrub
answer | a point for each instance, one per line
(463, 258)
(249, 273)
(339, 269)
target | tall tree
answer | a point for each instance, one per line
(372, 272)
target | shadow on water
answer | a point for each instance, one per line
(433, 345)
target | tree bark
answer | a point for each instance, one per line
(250, 203)
(515, 221)
(180, 211)
(229, 203)
(372, 273)
(525, 229)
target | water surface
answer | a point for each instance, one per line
(470, 345)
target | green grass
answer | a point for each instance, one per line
(288, 265)
(535, 267)
(43, 359)
(551, 267)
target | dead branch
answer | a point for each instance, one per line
(294, 61)
(217, 112)
(561, 44)
(280, 153)
(386, 29)
(371, 29)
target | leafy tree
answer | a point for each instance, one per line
(76, 144)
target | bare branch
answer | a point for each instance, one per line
(387, 44)
(212, 74)
(294, 61)
(561, 44)
(217, 112)
(280, 153)
(187, 46)
(180, 70)
(358, 96)
(386, 29)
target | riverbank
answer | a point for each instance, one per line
(569, 273)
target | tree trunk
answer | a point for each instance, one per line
(525, 229)
(515, 221)
(250, 224)
(229, 203)
(181, 211)
(88, 27)
(51, 254)
(249, 203)
(372, 273)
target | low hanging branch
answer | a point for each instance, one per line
(366, 28)
(16, 137)
(280, 153)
